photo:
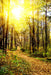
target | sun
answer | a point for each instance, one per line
(17, 12)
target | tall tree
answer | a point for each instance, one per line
(11, 38)
(3, 23)
(46, 28)
(37, 28)
(7, 29)
(30, 37)
(33, 29)
(15, 39)
(42, 31)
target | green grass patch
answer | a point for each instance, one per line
(14, 49)
(44, 59)
(12, 64)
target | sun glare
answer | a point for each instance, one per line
(17, 12)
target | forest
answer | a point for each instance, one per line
(25, 37)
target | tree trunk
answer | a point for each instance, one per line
(6, 41)
(6, 37)
(3, 38)
(30, 39)
(46, 30)
(37, 29)
(24, 41)
(33, 37)
(15, 39)
(42, 34)
(33, 29)
(3, 24)
(21, 39)
(12, 38)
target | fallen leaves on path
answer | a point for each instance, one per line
(38, 67)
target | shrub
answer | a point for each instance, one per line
(3, 70)
(37, 54)
(13, 49)
(23, 50)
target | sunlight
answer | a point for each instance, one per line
(17, 12)
(6, 15)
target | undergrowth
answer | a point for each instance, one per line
(13, 65)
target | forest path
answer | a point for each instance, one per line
(38, 67)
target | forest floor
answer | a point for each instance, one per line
(20, 63)
(38, 67)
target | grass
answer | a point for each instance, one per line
(14, 49)
(13, 65)
(44, 59)
(40, 56)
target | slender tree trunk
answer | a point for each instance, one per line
(3, 24)
(33, 34)
(12, 38)
(33, 29)
(21, 39)
(3, 38)
(15, 39)
(24, 41)
(8, 44)
(6, 41)
(30, 39)
(42, 35)
(46, 30)
(33, 38)
(37, 29)
(6, 37)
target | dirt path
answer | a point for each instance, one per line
(38, 67)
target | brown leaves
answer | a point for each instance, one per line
(38, 67)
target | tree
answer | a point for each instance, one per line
(3, 25)
(7, 29)
(15, 39)
(11, 38)
(42, 31)
(37, 28)
(46, 28)
(30, 37)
